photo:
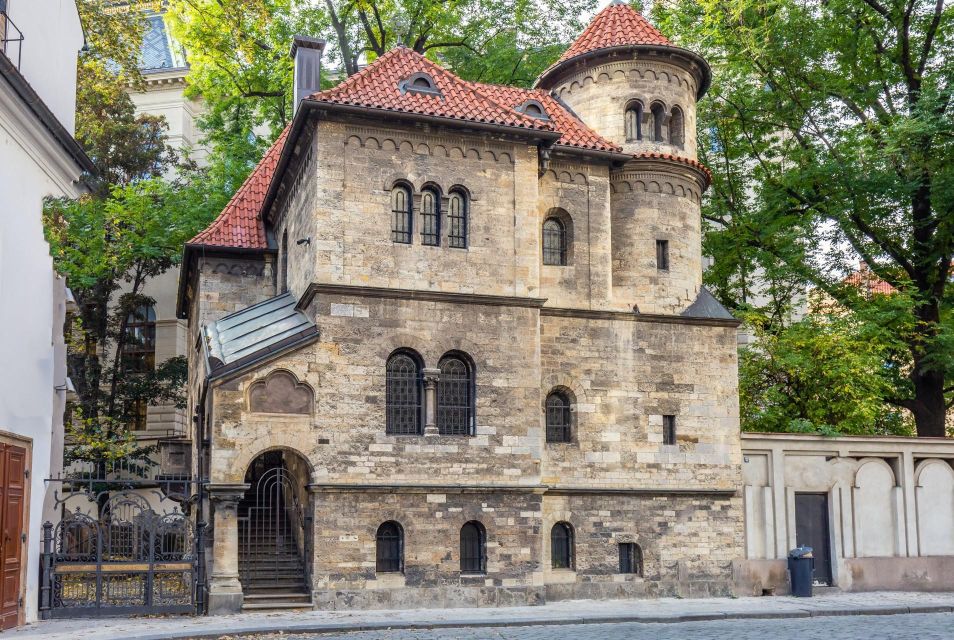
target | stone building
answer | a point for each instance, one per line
(449, 344)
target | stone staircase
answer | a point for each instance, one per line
(270, 565)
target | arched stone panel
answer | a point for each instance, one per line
(874, 506)
(935, 506)
(281, 392)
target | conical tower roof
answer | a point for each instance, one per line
(618, 27)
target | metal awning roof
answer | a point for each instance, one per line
(247, 336)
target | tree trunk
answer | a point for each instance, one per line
(928, 407)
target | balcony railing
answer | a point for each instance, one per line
(11, 38)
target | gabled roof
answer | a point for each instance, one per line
(263, 330)
(240, 225)
(377, 87)
(618, 25)
(575, 132)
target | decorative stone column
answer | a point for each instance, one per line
(225, 590)
(431, 378)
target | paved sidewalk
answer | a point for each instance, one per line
(560, 613)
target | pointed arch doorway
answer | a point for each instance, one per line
(275, 532)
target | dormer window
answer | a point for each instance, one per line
(421, 83)
(533, 109)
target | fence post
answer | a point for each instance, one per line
(46, 570)
(199, 568)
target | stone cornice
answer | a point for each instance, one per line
(538, 489)
(659, 318)
(417, 294)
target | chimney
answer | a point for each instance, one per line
(306, 52)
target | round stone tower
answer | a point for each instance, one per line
(631, 85)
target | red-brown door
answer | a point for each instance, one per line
(12, 478)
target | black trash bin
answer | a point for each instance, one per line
(801, 565)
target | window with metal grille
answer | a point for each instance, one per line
(390, 548)
(669, 429)
(554, 242)
(283, 267)
(457, 220)
(403, 402)
(558, 417)
(561, 546)
(455, 397)
(430, 218)
(473, 548)
(634, 122)
(662, 255)
(401, 214)
(630, 558)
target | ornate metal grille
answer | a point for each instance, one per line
(561, 546)
(558, 417)
(473, 548)
(390, 548)
(455, 407)
(554, 242)
(430, 219)
(401, 215)
(130, 560)
(403, 395)
(457, 219)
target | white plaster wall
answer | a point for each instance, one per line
(935, 498)
(52, 40)
(165, 96)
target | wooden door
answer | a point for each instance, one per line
(12, 488)
(811, 530)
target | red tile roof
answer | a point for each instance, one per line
(239, 225)
(650, 155)
(575, 133)
(618, 25)
(376, 87)
(868, 282)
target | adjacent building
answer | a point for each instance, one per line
(449, 343)
(39, 158)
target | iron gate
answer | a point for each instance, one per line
(114, 554)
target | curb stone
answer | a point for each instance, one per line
(327, 628)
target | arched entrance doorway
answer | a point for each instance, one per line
(275, 532)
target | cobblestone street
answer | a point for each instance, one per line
(936, 626)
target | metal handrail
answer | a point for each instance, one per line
(6, 38)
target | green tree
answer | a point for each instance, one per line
(238, 49)
(831, 136)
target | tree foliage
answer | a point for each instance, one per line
(830, 132)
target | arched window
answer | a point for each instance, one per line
(403, 395)
(630, 558)
(659, 121)
(561, 546)
(554, 242)
(390, 548)
(473, 548)
(455, 397)
(677, 127)
(401, 214)
(430, 218)
(634, 121)
(457, 220)
(558, 417)
(283, 267)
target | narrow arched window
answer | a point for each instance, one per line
(561, 546)
(403, 395)
(401, 214)
(457, 220)
(634, 122)
(558, 417)
(659, 122)
(554, 242)
(473, 548)
(390, 548)
(677, 127)
(430, 218)
(455, 397)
